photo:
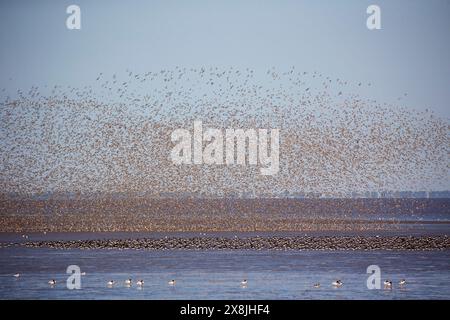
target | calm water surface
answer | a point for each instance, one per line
(217, 274)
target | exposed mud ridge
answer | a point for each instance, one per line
(258, 243)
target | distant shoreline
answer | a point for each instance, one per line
(207, 223)
(220, 215)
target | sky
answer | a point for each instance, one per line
(408, 55)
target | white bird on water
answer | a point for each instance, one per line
(337, 283)
(111, 283)
(244, 282)
(402, 282)
(387, 283)
(52, 282)
(140, 283)
(128, 282)
(317, 285)
(17, 275)
(172, 282)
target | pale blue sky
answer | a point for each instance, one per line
(410, 54)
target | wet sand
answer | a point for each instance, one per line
(198, 223)
(238, 224)
(215, 215)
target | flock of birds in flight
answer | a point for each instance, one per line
(114, 134)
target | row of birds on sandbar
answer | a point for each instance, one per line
(129, 282)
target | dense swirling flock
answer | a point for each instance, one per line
(114, 135)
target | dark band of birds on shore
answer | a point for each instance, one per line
(255, 243)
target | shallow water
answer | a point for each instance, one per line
(217, 274)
